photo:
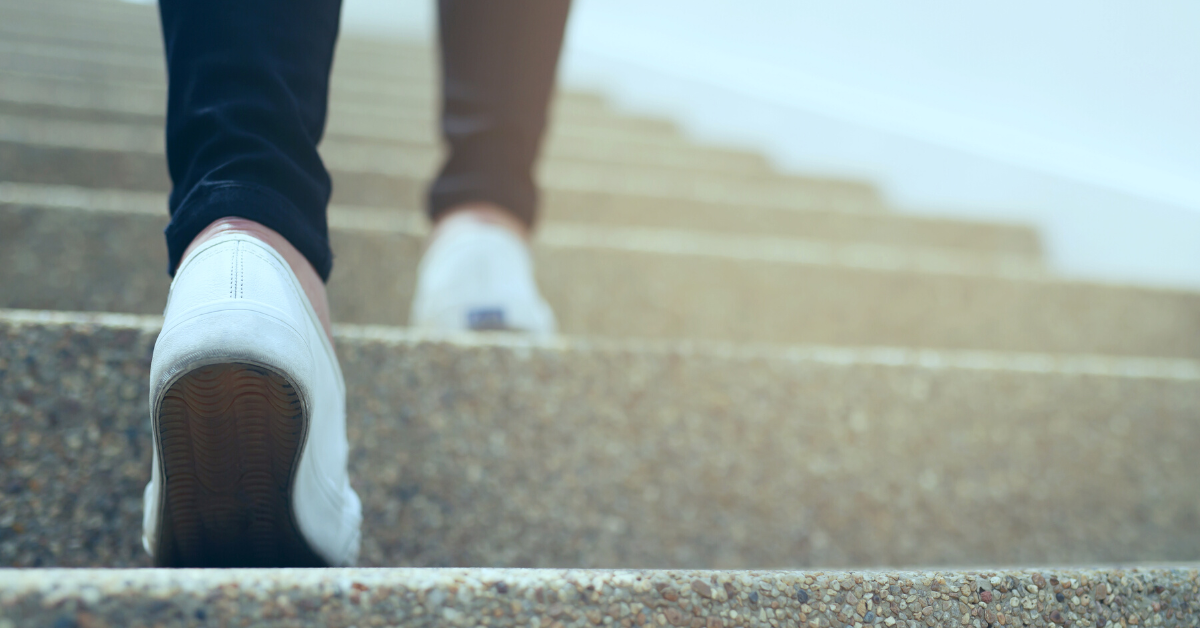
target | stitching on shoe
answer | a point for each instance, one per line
(241, 273)
(297, 291)
(283, 269)
(199, 256)
(274, 263)
(232, 269)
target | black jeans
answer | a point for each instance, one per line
(247, 96)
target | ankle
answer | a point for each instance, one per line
(488, 213)
(310, 281)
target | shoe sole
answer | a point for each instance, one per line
(230, 437)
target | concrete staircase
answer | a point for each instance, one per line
(758, 371)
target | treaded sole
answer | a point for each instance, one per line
(230, 436)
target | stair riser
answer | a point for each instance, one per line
(140, 35)
(980, 240)
(486, 454)
(619, 288)
(396, 105)
(118, 26)
(440, 597)
(417, 124)
(45, 153)
(140, 171)
(67, 58)
(137, 43)
(360, 153)
(397, 63)
(402, 137)
(885, 228)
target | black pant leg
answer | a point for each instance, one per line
(247, 96)
(498, 65)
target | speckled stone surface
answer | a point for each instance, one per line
(645, 283)
(623, 210)
(814, 223)
(578, 133)
(410, 133)
(106, 168)
(762, 188)
(405, 113)
(496, 451)
(358, 77)
(574, 117)
(1166, 596)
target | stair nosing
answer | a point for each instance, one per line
(582, 236)
(1060, 364)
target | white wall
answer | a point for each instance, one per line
(1080, 116)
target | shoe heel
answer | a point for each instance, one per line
(230, 437)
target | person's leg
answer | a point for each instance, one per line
(246, 106)
(498, 68)
(247, 399)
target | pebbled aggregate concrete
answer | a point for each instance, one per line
(494, 450)
(762, 188)
(574, 116)
(101, 167)
(588, 135)
(681, 284)
(112, 169)
(610, 209)
(1050, 598)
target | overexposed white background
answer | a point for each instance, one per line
(1079, 116)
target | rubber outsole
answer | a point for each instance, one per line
(230, 437)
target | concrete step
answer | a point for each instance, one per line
(594, 139)
(1149, 596)
(498, 450)
(141, 171)
(136, 24)
(134, 39)
(897, 231)
(640, 282)
(90, 26)
(141, 35)
(61, 52)
(409, 73)
(408, 76)
(345, 85)
(116, 11)
(88, 99)
(414, 162)
(377, 93)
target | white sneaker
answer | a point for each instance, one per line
(479, 276)
(249, 415)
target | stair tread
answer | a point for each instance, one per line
(714, 599)
(681, 283)
(664, 178)
(963, 243)
(652, 454)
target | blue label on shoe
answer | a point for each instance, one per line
(486, 318)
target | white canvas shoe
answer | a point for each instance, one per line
(249, 418)
(479, 276)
